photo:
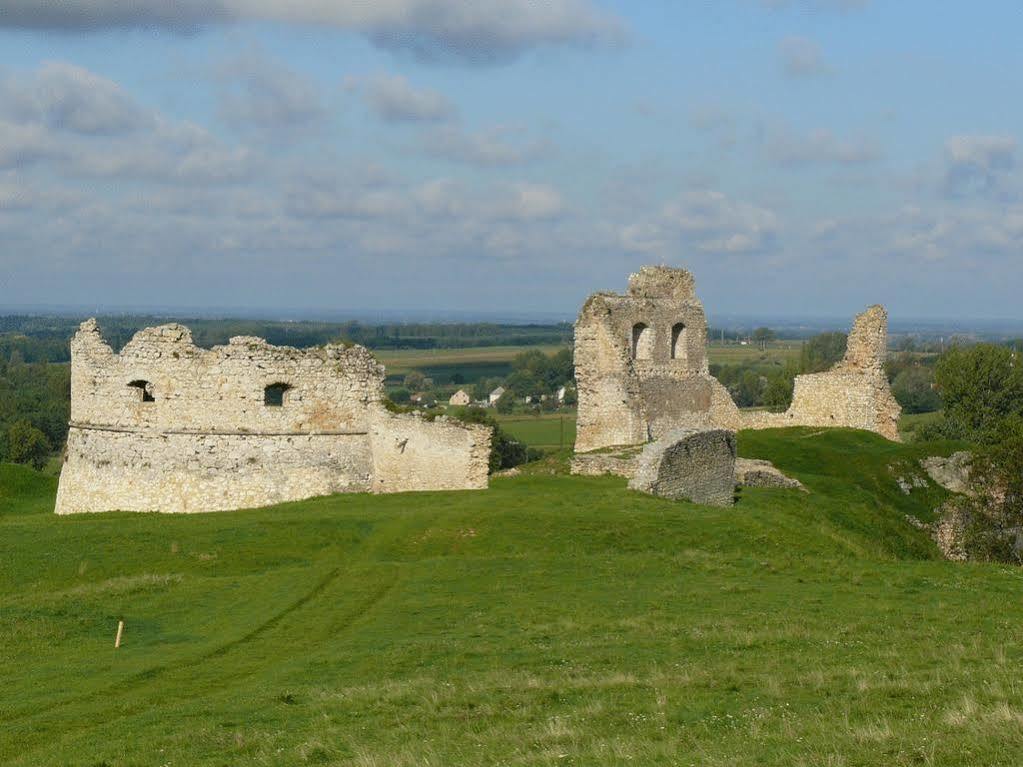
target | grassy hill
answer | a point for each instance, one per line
(551, 620)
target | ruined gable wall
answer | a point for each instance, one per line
(625, 400)
(209, 442)
(854, 394)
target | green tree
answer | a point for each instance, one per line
(415, 381)
(980, 386)
(915, 390)
(764, 336)
(822, 351)
(505, 452)
(506, 403)
(27, 444)
(778, 392)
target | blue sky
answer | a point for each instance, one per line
(799, 156)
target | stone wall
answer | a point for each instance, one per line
(854, 394)
(167, 426)
(641, 370)
(641, 363)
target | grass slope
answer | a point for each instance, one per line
(552, 620)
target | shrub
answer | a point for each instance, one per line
(981, 386)
(914, 389)
(27, 444)
(505, 452)
(995, 505)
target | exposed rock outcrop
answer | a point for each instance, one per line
(952, 473)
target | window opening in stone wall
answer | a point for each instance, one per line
(273, 395)
(642, 341)
(144, 390)
(678, 341)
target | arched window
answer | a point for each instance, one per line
(642, 341)
(274, 394)
(143, 390)
(678, 341)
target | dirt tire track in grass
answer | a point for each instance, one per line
(136, 683)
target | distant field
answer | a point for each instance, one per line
(495, 361)
(548, 431)
(442, 364)
(732, 354)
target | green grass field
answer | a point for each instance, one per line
(551, 620)
(550, 430)
(495, 361)
(441, 364)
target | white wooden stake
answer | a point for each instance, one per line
(120, 630)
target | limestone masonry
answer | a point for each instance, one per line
(855, 393)
(641, 370)
(167, 426)
(696, 465)
(641, 363)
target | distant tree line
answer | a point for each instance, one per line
(45, 339)
(34, 409)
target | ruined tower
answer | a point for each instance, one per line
(641, 363)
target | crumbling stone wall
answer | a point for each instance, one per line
(641, 363)
(167, 426)
(855, 393)
(696, 465)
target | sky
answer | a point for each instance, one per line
(800, 157)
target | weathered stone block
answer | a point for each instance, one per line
(753, 472)
(697, 465)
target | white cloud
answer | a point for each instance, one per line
(705, 221)
(68, 98)
(393, 98)
(264, 95)
(820, 147)
(801, 57)
(496, 147)
(481, 31)
(978, 164)
(22, 145)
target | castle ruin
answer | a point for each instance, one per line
(854, 393)
(167, 426)
(641, 363)
(641, 370)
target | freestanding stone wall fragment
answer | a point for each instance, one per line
(855, 393)
(641, 363)
(696, 465)
(167, 426)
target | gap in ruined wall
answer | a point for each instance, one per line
(145, 390)
(276, 394)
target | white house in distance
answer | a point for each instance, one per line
(560, 394)
(460, 397)
(495, 395)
